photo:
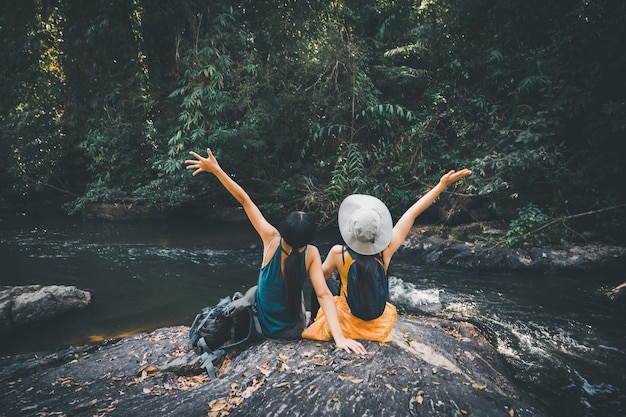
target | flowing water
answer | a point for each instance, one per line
(563, 339)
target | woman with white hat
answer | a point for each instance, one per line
(288, 257)
(367, 229)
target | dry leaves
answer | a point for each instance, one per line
(147, 372)
(185, 383)
(419, 397)
(349, 377)
(223, 406)
(264, 368)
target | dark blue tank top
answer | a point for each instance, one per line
(276, 321)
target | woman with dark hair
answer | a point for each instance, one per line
(371, 240)
(288, 258)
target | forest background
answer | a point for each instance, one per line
(305, 102)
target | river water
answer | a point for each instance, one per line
(563, 339)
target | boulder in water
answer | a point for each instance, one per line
(31, 305)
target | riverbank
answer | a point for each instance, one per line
(455, 247)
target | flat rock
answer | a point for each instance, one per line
(433, 367)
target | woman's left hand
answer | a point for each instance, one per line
(453, 176)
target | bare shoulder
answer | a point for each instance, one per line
(312, 250)
(336, 250)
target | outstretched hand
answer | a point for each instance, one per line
(200, 164)
(351, 345)
(453, 176)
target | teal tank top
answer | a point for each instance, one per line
(276, 322)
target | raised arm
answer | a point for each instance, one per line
(209, 164)
(327, 302)
(404, 224)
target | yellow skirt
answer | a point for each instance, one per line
(378, 330)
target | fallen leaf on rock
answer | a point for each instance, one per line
(223, 406)
(264, 368)
(67, 382)
(356, 381)
(217, 405)
(286, 384)
(390, 387)
(435, 370)
(464, 412)
(146, 372)
(150, 370)
(419, 397)
(319, 362)
(344, 376)
(512, 412)
(310, 389)
(476, 385)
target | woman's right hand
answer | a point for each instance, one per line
(200, 164)
(351, 345)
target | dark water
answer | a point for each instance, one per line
(564, 340)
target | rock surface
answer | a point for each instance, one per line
(30, 305)
(434, 367)
(443, 250)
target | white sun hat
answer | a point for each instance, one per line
(365, 224)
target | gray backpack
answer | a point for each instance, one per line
(231, 323)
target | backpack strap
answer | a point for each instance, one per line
(207, 361)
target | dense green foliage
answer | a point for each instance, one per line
(309, 101)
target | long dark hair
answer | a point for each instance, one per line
(366, 264)
(297, 230)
